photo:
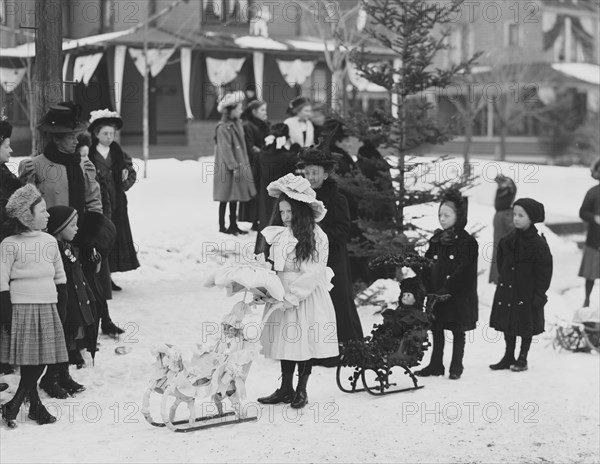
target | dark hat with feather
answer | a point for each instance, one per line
(62, 118)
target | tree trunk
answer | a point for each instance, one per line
(338, 91)
(503, 135)
(402, 162)
(48, 61)
(467, 146)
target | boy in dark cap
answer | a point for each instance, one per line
(525, 271)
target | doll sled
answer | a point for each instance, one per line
(216, 373)
(582, 334)
(395, 347)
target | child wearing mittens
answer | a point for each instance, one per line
(525, 272)
(33, 292)
(453, 272)
(303, 327)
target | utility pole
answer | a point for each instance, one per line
(145, 122)
(48, 85)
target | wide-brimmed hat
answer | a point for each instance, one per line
(62, 118)
(99, 118)
(316, 156)
(299, 189)
(230, 99)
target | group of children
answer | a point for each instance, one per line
(47, 305)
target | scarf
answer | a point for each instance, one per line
(75, 179)
(445, 237)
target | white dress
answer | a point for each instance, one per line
(301, 132)
(308, 330)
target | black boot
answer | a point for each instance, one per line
(301, 397)
(76, 359)
(436, 364)
(50, 385)
(6, 369)
(66, 381)
(458, 352)
(509, 354)
(10, 410)
(37, 411)
(110, 328)
(521, 363)
(115, 287)
(284, 394)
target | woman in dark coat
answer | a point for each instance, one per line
(9, 184)
(503, 219)
(274, 161)
(318, 167)
(525, 267)
(117, 175)
(256, 128)
(233, 181)
(454, 272)
(590, 213)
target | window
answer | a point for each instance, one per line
(512, 35)
(107, 15)
(2, 12)
(225, 11)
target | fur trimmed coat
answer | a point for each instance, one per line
(230, 154)
(525, 267)
(114, 203)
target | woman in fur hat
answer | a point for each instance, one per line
(256, 128)
(274, 161)
(233, 181)
(33, 294)
(453, 272)
(115, 169)
(318, 167)
(525, 272)
(298, 250)
(503, 219)
(302, 131)
(590, 213)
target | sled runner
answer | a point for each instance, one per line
(218, 372)
(395, 347)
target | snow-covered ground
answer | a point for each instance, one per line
(548, 414)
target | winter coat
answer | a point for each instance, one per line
(51, 180)
(590, 208)
(81, 303)
(525, 266)
(255, 132)
(9, 184)
(109, 171)
(231, 153)
(454, 272)
(336, 224)
(374, 167)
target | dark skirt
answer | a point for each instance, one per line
(590, 264)
(36, 337)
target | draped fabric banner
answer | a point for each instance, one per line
(186, 75)
(157, 59)
(296, 72)
(10, 78)
(548, 21)
(547, 95)
(259, 69)
(85, 66)
(222, 72)
(119, 70)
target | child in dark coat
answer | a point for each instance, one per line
(453, 272)
(525, 267)
(79, 320)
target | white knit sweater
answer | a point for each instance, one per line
(31, 267)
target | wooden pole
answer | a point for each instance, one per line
(47, 86)
(145, 123)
